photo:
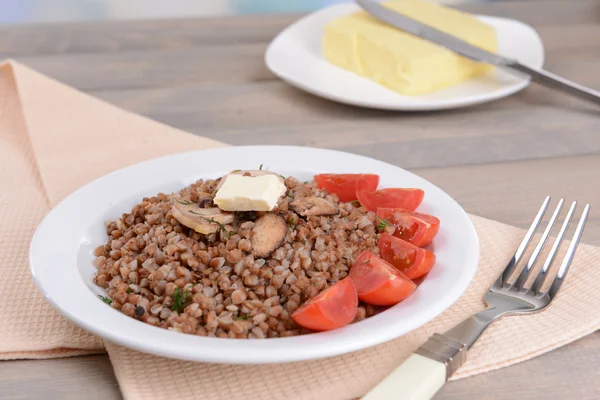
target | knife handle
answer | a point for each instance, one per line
(424, 373)
(554, 81)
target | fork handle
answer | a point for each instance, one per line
(418, 378)
(424, 373)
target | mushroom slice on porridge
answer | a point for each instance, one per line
(267, 234)
(202, 220)
(205, 200)
(313, 206)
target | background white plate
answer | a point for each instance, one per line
(61, 255)
(295, 56)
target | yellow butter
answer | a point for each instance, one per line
(403, 62)
(246, 193)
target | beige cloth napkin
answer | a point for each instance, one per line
(54, 139)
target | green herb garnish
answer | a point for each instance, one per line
(128, 291)
(184, 202)
(292, 223)
(105, 299)
(260, 168)
(227, 234)
(236, 170)
(355, 203)
(383, 223)
(244, 317)
(181, 298)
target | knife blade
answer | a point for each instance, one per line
(467, 50)
(431, 34)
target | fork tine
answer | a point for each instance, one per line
(539, 281)
(564, 267)
(524, 276)
(510, 268)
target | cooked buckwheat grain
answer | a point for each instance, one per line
(161, 272)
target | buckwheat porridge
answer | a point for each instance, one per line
(178, 261)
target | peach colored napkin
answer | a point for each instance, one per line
(54, 139)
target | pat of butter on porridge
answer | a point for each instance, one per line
(249, 193)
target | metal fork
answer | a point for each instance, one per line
(426, 371)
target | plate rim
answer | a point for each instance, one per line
(468, 272)
(405, 107)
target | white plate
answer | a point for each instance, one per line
(61, 255)
(295, 56)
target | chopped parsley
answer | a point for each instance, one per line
(243, 317)
(226, 234)
(128, 291)
(355, 203)
(181, 298)
(105, 299)
(260, 168)
(292, 222)
(236, 170)
(383, 223)
(184, 202)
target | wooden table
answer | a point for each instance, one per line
(208, 77)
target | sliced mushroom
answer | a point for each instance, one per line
(202, 220)
(308, 206)
(267, 234)
(205, 200)
(253, 173)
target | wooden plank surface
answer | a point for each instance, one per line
(207, 76)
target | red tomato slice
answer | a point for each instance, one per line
(346, 185)
(377, 282)
(333, 308)
(416, 228)
(408, 199)
(411, 260)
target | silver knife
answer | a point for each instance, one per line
(463, 48)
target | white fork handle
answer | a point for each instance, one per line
(418, 378)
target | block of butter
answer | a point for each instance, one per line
(403, 62)
(249, 193)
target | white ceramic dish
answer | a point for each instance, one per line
(295, 56)
(61, 255)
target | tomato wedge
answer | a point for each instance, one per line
(408, 199)
(411, 260)
(346, 185)
(377, 282)
(333, 308)
(416, 228)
